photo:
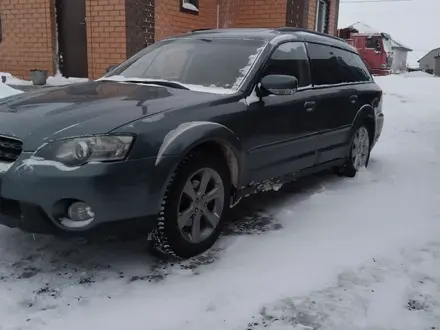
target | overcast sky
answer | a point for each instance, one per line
(412, 23)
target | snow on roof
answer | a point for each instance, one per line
(364, 28)
(396, 44)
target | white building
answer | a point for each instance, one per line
(427, 62)
(400, 57)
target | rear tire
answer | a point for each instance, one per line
(359, 154)
(194, 206)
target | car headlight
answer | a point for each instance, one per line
(81, 150)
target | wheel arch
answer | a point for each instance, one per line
(226, 151)
(199, 136)
(365, 115)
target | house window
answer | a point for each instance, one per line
(322, 16)
(190, 6)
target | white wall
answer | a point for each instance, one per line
(428, 61)
(399, 61)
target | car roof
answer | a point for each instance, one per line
(275, 36)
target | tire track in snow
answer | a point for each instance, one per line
(398, 293)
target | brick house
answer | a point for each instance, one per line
(86, 36)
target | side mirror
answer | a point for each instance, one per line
(377, 46)
(110, 68)
(279, 84)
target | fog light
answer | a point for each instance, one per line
(80, 211)
(79, 214)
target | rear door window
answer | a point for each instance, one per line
(290, 59)
(352, 68)
(324, 65)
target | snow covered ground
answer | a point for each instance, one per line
(324, 253)
(5, 90)
(57, 80)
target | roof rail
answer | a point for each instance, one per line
(292, 29)
(205, 29)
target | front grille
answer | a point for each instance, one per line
(10, 149)
(389, 61)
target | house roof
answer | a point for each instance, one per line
(366, 29)
(396, 44)
(429, 53)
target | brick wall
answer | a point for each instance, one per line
(118, 28)
(106, 35)
(334, 11)
(28, 36)
(228, 13)
(170, 20)
(296, 15)
(140, 27)
(252, 13)
(311, 19)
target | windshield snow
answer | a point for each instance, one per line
(212, 63)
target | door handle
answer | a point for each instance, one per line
(310, 106)
(353, 98)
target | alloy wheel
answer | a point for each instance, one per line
(360, 148)
(200, 205)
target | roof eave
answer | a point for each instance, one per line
(403, 48)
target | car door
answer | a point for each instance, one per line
(336, 98)
(281, 129)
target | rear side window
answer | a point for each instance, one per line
(324, 65)
(352, 68)
(290, 59)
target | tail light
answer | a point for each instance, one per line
(378, 105)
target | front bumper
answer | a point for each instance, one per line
(380, 72)
(122, 194)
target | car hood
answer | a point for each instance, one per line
(88, 108)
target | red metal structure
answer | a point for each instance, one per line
(374, 48)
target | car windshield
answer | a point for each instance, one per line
(213, 63)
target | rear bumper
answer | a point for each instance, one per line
(123, 196)
(379, 126)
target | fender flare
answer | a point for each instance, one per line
(187, 136)
(365, 112)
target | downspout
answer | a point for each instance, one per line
(315, 28)
(336, 17)
(218, 16)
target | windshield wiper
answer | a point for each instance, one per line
(158, 82)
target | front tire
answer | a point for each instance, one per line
(194, 206)
(359, 154)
